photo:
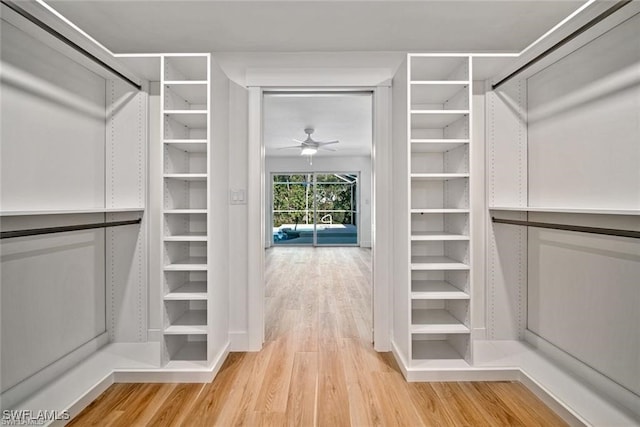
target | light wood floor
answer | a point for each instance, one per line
(317, 367)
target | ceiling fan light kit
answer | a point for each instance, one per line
(309, 147)
(308, 151)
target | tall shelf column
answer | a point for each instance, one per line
(185, 94)
(439, 104)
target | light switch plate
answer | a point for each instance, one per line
(237, 197)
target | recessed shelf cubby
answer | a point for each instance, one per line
(439, 145)
(186, 206)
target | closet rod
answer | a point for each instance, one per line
(613, 9)
(11, 5)
(62, 229)
(594, 230)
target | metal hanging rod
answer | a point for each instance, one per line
(65, 228)
(593, 230)
(13, 6)
(613, 9)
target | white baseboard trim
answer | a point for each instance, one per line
(40, 379)
(85, 400)
(569, 416)
(239, 341)
(119, 362)
(397, 354)
(508, 372)
(471, 374)
(188, 373)
(589, 375)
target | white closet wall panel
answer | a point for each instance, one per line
(584, 125)
(53, 295)
(126, 145)
(218, 274)
(507, 151)
(53, 128)
(584, 298)
(126, 153)
(401, 219)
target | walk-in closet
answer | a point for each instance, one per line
(498, 245)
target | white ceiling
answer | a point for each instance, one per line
(310, 35)
(346, 117)
(148, 26)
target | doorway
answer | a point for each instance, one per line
(315, 209)
(375, 209)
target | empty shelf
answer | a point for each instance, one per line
(436, 145)
(438, 210)
(188, 145)
(434, 350)
(438, 176)
(189, 264)
(192, 322)
(435, 91)
(435, 289)
(187, 176)
(435, 119)
(185, 211)
(70, 211)
(188, 291)
(192, 91)
(429, 321)
(436, 236)
(595, 211)
(187, 237)
(191, 351)
(436, 263)
(194, 119)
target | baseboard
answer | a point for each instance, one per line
(569, 416)
(86, 384)
(239, 341)
(40, 379)
(598, 381)
(455, 375)
(85, 400)
(400, 359)
(187, 373)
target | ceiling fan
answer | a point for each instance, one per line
(309, 147)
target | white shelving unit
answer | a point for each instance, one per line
(439, 93)
(570, 210)
(185, 92)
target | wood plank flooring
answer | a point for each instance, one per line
(317, 367)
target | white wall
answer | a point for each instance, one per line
(237, 218)
(360, 164)
(71, 141)
(584, 130)
(219, 216)
(53, 157)
(53, 128)
(584, 126)
(400, 221)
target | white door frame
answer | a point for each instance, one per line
(381, 212)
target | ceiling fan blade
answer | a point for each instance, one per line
(290, 146)
(298, 140)
(326, 149)
(327, 142)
